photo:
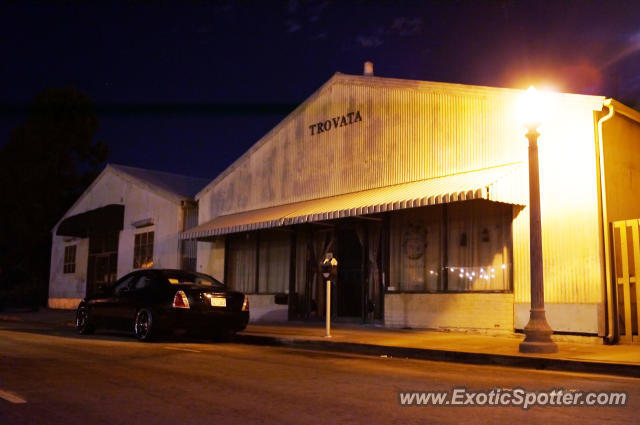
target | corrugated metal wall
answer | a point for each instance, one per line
(407, 133)
(622, 162)
(417, 130)
(569, 208)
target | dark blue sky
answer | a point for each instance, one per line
(188, 86)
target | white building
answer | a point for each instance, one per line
(128, 218)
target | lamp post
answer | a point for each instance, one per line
(537, 331)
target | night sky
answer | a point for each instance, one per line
(188, 86)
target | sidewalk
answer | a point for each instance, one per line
(623, 360)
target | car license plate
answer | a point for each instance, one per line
(219, 302)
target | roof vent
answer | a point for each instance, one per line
(368, 69)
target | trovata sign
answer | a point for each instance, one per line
(335, 122)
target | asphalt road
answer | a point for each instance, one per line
(113, 379)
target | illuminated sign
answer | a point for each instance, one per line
(335, 122)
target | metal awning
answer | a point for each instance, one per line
(500, 184)
(109, 218)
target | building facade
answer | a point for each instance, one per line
(129, 218)
(420, 190)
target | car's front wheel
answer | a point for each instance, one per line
(143, 325)
(83, 321)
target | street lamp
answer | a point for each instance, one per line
(537, 331)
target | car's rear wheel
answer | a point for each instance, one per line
(83, 321)
(143, 325)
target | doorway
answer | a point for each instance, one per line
(102, 267)
(350, 283)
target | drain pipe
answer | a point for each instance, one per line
(612, 307)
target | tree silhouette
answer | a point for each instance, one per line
(44, 166)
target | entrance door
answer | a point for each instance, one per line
(350, 286)
(102, 266)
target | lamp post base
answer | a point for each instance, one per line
(538, 335)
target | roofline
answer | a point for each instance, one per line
(158, 190)
(86, 191)
(623, 110)
(596, 102)
(265, 137)
(122, 174)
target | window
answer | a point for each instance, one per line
(69, 265)
(143, 250)
(478, 247)
(241, 264)
(262, 255)
(458, 247)
(273, 273)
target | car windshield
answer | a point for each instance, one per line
(188, 278)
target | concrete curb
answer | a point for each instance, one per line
(68, 323)
(529, 362)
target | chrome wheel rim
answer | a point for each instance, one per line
(143, 323)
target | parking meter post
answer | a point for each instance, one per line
(327, 333)
(329, 270)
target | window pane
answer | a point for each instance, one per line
(479, 246)
(274, 262)
(477, 243)
(143, 250)
(241, 270)
(415, 249)
(69, 261)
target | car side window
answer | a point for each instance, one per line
(124, 284)
(143, 282)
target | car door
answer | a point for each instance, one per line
(102, 305)
(119, 296)
(139, 293)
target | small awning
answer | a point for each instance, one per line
(500, 184)
(106, 219)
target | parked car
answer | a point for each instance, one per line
(154, 301)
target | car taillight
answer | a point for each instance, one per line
(180, 300)
(245, 303)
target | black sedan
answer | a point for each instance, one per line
(154, 301)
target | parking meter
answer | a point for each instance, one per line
(329, 266)
(329, 270)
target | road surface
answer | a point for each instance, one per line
(53, 376)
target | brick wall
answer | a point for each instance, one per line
(450, 311)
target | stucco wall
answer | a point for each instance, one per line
(140, 203)
(67, 285)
